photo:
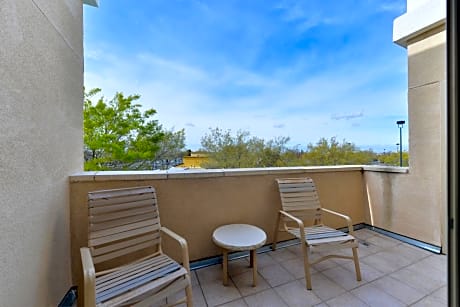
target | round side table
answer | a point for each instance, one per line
(239, 237)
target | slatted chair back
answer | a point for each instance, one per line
(300, 198)
(122, 222)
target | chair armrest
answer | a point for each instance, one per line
(89, 277)
(298, 221)
(183, 244)
(346, 217)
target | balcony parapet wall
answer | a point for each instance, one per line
(194, 202)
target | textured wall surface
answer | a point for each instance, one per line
(41, 81)
(414, 204)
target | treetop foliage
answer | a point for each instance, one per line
(241, 150)
(226, 150)
(117, 131)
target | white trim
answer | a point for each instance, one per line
(423, 18)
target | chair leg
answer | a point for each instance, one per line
(188, 293)
(356, 260)
(306, 264)
(275, 236)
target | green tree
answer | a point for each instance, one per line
(241, 150)
(332, 152)
(392, 158)
(172, 145)
(117, 131)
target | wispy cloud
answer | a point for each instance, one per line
(347, 116)
(275, 72)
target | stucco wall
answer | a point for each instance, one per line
(193, 204)
(41, 83)
(414, 204)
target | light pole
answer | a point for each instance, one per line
(400, 124)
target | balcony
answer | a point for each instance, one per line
(195, 202)
(394, 274)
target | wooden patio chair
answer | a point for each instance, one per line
(300, 204)
(125, 223)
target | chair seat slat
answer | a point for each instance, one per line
(124, 251)
(119, 207)
(117, 193)
(138, 281)
(134, 272)
(123, 235)
(127, 298)
(94, 219)
(120, 229)
(122, 221)
(100, 250)
(128, 268)
(104, 202)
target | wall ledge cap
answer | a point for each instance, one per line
(91, 176)
(422, 19)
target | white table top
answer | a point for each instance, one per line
(239, 237)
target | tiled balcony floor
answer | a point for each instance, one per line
(393, 273)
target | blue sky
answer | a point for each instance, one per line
(304, 69)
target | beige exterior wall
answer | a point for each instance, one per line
(414, 204)
(193, 204)
(41, 82)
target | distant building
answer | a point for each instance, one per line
(194, 160)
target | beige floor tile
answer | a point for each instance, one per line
(440, 294)
(193, 278)
(276, 275)
(398, 289)
(282, 254)
(364, 234)
(368, 273)
(375, 297)
(366, 248)
(295, 294)
(430, 301)
(343, 277)
(267, 298)
(375, 244)
(408, 253)
(346, 300)
(434, 264)
(419, 250)
(384, 241)
(244, 283)
(296, 249)
(324, 265)
(197, 297)
(296, 267)
(239, 266)
(236, 303)
(386, 261)
(209, 274)
(264, 260)
(324, 288)
(216, 293)
(419, 280)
